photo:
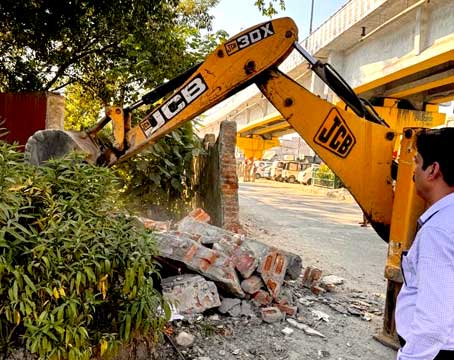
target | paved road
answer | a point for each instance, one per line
(324, 231)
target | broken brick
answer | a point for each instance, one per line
(242, 257)
(317, 290)
(153, 224)
(210, 235)
(273, 269)
(261, 298)
(311, 276)
(287, 309)
(271, 314)
(200, 215)
(207, 262)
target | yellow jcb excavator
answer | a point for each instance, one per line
(353, 140)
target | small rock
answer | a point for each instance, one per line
(236, 352)
(227, 304)
(338, 308)
(222, 352)
(305, 301)
(308, 330)
(332, 280)
(184, 339)
(235, 311)
(354, 311)
(271, 314)
(319, 315)
(287, 331)
(246, 309)
(323, 353)
(214, 317)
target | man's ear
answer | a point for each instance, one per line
(435, 171)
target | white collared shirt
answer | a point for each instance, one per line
(425, 305)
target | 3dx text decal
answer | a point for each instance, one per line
(250, 38)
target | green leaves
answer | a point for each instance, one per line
(163, 175)
(269, 8)
(66, 256)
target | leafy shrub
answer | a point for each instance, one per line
(162, 175)
(325, 177)
(75, 279)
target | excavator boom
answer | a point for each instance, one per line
(229, 68)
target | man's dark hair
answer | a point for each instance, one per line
(437, 145)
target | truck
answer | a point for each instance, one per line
(351, 138)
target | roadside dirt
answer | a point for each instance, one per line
(318, 225)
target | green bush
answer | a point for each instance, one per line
(76, 278)
(162, 175)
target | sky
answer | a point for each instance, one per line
(234, 16)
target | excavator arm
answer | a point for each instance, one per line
(229, 68)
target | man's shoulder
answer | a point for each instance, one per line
(441, 226)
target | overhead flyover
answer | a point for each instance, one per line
(261, 135)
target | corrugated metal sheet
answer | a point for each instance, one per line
(24, 113)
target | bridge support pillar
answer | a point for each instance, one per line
(255, 146)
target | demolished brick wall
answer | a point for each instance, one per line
(215, 178)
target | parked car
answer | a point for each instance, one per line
(261, 165)
(267, 172)
(290, 171)
(305, 176)
(276, 170)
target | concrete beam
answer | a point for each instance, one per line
(419, 86)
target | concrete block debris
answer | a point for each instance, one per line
(271, 314)
(240, 268)
(190, 294)
(252, 284)
(207, 262)
(210, 235)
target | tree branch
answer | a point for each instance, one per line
(72, 81)
(61, 70)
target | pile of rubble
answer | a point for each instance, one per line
(221, 269)
(225, 285)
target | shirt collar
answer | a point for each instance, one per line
(436, 207)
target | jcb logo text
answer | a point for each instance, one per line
(174, 105)
(250, 38)
(335, 135)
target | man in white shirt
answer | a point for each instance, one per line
(425, 305)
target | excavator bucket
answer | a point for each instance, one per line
(47, 144)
